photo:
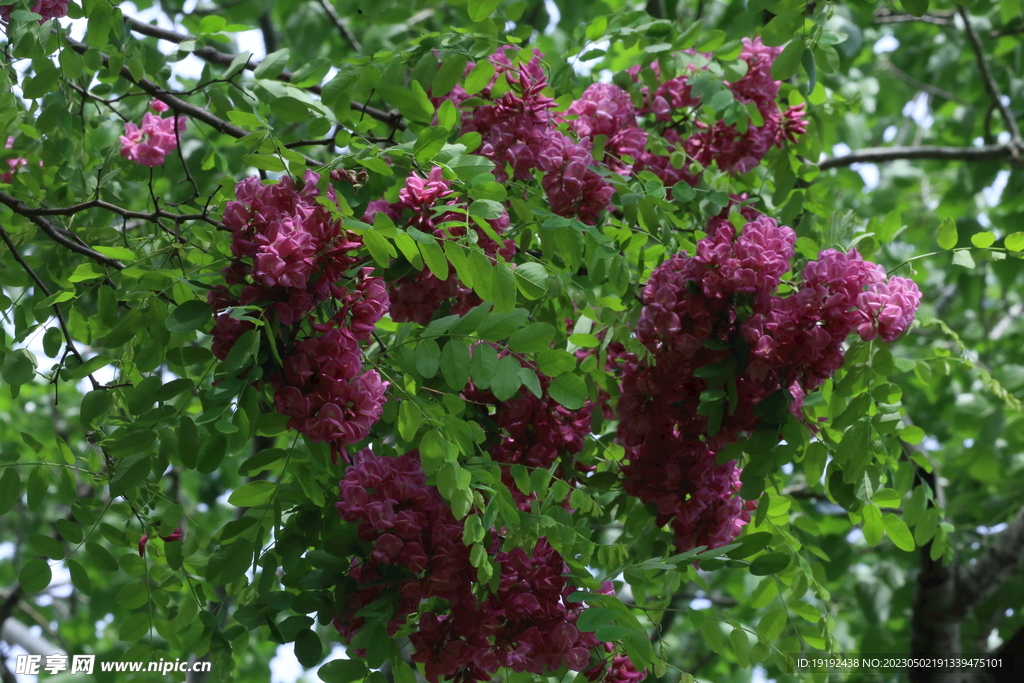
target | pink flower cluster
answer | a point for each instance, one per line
(410, 528)
(722, 143)
(696, 312)
(619, 669)
(47, 9)
(150, 144)
(519, 129)
(290, 256)
(417, 297)
(416, 553)
(14, 164)
(527, 625)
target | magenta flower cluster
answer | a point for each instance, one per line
(415, 551)
(290, 258)
(149, 144)
(696, 310)
(47, 9)
(416, 297)
(721, 143)
(13, 164)
(520, 129)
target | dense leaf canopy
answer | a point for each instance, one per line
(406, 340)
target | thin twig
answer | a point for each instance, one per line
(879, 154)
(178, 105)
(342, 27)
(58, 235)
(215, 56)
(69, 341)
(920, 85)
(990, 83)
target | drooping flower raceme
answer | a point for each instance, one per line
(292, 264)
(698, 311)
(416, 553)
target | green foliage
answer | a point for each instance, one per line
(126, 426)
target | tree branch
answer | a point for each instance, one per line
(342, 27)
(990, 83)
(178, 105)
(56, 234)
(69, 341)
(1000, 561)
(922, 152)
(125, 213)
(215, 56)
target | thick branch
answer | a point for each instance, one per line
(215, 56)
(879, 154)
(990, 83)
(55, 233)
(934, 623)
(997, 563)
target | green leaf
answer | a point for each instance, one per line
(188, 317)
(133, 595)
(342, 671)
(963, 258)
(782, 28)
(786, 64)
(79, 576)
(872, 525)
(1014, 241)
(309, 649)
(506, 381)
(435, 259)
(497, 326)
(983, 240)
(135, 627)
(915, 7)
(593, 617)
(886, 498)
(532, 280)
(47, 545)
(10, 490)
(455, 364)
(532, 338)
(483, 365)
(479, 77)
(252, 494)
(130, 472)
(35, 576)
(770, 563)
(569, 390)
(90, 366)
(947, 236)
(487, 209)
(898, 532)
(272, 65)
(772, 624)
(19, 367)
(428, 358)
(481, 9)
(429, 142)
(554, 362)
